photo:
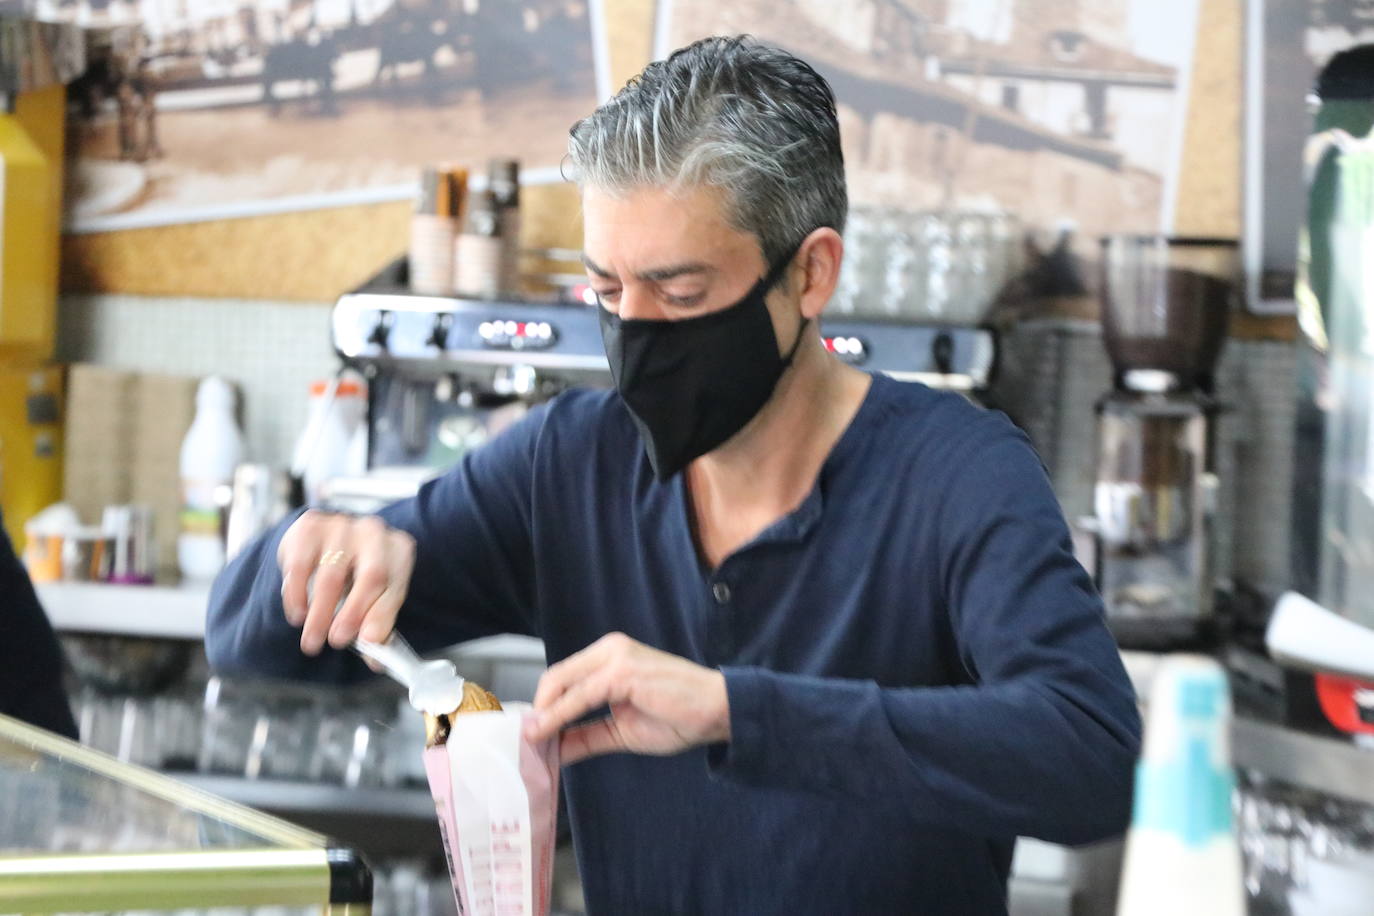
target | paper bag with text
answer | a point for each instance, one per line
(497, 799)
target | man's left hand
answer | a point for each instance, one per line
(660, 703)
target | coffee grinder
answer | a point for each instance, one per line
(1165, 308)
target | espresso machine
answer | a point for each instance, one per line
(1165, 308)
(446, 373)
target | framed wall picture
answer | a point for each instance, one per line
(1055, 111)
(207, 110)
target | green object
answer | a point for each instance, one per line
(1334, 510)
(1346, 112)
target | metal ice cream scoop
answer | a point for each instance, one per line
(434, 686)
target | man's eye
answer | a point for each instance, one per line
(682, 301)
(607, 296)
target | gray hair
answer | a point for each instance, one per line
(730, 113)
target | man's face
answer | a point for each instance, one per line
(656, 256)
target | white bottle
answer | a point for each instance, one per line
(1182, 855)
(213, 447)
(333, 443)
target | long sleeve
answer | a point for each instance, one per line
(473, 572)
(30, 657)
(1041, 743)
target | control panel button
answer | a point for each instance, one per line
(508, 334)
(852, 350)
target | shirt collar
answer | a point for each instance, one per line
(797, 525)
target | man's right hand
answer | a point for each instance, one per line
(325, 557)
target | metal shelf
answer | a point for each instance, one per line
(167, 612)
(1302, 759)
(179, 613)
(382, 823)
(316, 798)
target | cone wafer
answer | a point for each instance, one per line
(476, 698)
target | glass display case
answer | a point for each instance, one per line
(1334, 493)
(1326, 624)
(81, 832)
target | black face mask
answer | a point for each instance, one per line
(692, 384)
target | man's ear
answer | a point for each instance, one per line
(817, 269)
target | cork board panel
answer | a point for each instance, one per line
(551, 217)
(1210, 181)
(630, 37)
(1245, 326)
(311, 256)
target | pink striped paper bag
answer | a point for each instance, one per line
(497, 798)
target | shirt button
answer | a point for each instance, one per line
(721, 592)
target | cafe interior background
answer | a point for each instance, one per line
(1092, 215)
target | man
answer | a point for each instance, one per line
(834, 618)
(30, 657)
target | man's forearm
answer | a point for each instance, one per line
(1014, 758)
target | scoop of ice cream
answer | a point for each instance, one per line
(476, 698)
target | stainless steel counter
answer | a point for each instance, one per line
(1313, 762)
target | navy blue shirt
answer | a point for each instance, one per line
(918, 670)
(30, 657)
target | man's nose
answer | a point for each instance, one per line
(639, 304)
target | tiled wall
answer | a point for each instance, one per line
(1052, 375)
(271, 350)
(1258, 384)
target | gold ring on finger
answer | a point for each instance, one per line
(332, 557)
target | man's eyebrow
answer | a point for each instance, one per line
(657, 275)
(591, 265)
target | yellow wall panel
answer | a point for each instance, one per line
(31, 143)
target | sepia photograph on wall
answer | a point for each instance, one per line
(201, 109)
(969, 122)
(978, 103)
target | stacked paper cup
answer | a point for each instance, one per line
(478, 251)
(1182, 857)
(433, 228)
(503, 179)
